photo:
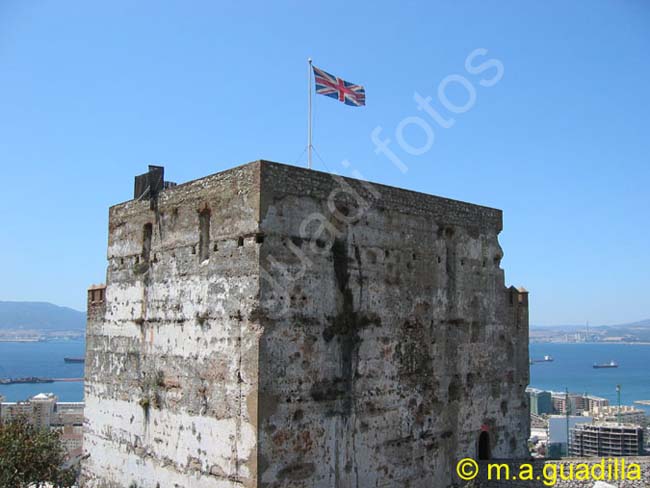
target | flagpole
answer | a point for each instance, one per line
(309, 145)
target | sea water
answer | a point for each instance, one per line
(42, 359)
(572, 368)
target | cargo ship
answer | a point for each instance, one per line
(74, 360)
(611, 364)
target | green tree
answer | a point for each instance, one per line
(31, 456)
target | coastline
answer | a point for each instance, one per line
(572, 368)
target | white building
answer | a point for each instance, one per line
(558, 432)
(578, 403)
(44, 411)
(628, 414)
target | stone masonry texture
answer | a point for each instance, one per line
(272, 326)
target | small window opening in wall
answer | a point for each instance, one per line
(484, 446)
(204, 234)
(259, 238)
(240, 241)
(462, 262)
(439, 260)
(147, 232)
(215, 247)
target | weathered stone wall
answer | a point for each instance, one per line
(371, 352)
(390, 340)
(564, 474)
(171, 366)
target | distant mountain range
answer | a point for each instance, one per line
(631, 332)
(640, 324)
(40, 316)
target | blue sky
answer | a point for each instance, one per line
(90, 93)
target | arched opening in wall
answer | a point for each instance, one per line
(147, 232)
(204, 234)
(484, 446)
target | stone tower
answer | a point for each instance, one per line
(272, 326)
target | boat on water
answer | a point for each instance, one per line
(545, 359)
(611, 364)
(74, 360)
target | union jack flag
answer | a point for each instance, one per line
(335, 87)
